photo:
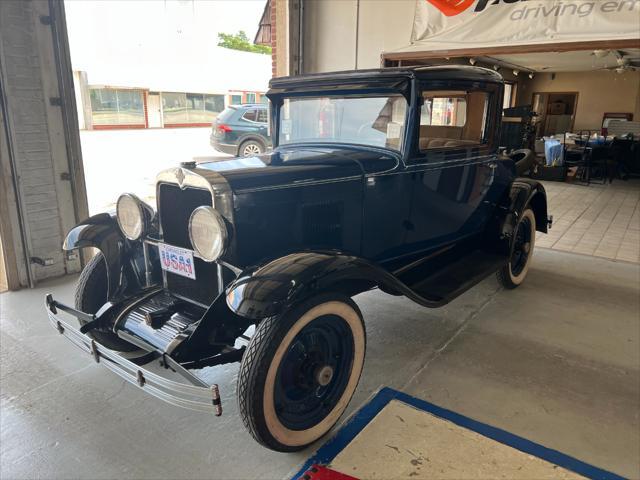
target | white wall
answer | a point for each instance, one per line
(330, 32)
(599, 92)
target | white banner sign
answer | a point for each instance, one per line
(454, 24)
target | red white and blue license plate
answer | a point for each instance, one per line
(177, 260)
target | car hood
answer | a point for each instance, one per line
(300, 165)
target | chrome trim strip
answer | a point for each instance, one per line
(201, 398)
(303, 183)
(427, 167)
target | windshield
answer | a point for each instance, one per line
(375, 121)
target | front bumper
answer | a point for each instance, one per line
(198, 396)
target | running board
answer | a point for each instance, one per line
(459, 276)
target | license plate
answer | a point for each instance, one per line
(177, 260)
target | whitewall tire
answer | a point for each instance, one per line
(513, 273)
(300, 371)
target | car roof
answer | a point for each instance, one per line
(435, 72)
(249, 105)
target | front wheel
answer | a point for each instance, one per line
(513, 273)
(300, 371)
(91, 294)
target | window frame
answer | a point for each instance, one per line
(461, 152)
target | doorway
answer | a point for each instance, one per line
(556, 112)
(154, 112)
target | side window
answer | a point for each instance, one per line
(453, 120)
(262, 116)
(251, 115)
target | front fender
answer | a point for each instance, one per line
(102, 232)
(270, 289)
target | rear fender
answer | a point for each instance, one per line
(102, 232)
(274, 287)
(525, 192)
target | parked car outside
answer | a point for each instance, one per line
(241, 130)
(387, 178)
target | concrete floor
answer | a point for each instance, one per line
(556, 361)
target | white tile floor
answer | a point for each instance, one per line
(597, 220)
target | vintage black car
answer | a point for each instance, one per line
(384, 179)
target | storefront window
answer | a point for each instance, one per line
(439, 111)
(236, 99)
(110, 106)
(251, 98)
(190, 108)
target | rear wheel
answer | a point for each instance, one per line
(251, 148)
(514, 272)
(300, 371)
(91, 294)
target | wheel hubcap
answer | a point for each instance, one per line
(324, 375)
(314, 372)
(251, 150)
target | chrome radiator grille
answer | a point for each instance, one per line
(175, 206)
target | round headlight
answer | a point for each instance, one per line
(208, 233)
(130, 216)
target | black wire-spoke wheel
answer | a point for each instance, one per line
(524, 239)
(313, 372)
(300, 372)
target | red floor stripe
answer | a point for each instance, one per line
(317, 472)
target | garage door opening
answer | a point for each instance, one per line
(151, 78)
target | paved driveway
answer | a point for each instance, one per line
(117, 161)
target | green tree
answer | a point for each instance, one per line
(240, 41)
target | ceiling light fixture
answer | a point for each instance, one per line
(531, 75)
(516, 72)
(472, 61)
(496, 68)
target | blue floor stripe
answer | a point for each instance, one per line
(348, 432)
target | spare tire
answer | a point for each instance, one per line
(523, 159)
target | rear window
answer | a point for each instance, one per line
(226, 114)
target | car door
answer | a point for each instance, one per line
(453, 166)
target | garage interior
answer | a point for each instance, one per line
(556, 362)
